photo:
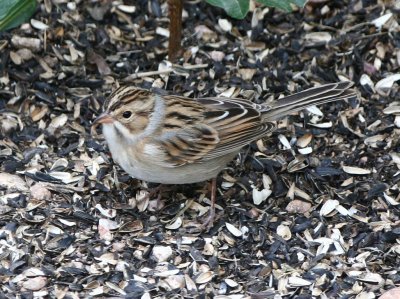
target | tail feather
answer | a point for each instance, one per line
(310, 97)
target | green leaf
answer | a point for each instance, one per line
(285, 5)
(15, 12)
(235, 8)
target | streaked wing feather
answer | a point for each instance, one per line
(239, 140)
(238, 124)
(227, 124)
(187, 145)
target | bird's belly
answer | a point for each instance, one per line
(185, 174)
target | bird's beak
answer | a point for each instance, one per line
(102, 119)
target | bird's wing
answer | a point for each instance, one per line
(225, 126)
(183, 146)
(238, 122)
(220, 126)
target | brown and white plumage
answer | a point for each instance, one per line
(177, 140)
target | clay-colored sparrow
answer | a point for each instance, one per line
(177, 140)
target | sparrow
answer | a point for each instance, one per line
(170, 139)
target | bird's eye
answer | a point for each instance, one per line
(127, 114)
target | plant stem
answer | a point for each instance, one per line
(175, 29)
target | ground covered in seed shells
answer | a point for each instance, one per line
(313, 210)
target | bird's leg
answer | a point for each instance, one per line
(159, 195)
(157, 191)
(158, 201)
(209, 221)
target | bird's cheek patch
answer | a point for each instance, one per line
(139, 123)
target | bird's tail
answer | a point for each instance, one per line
(313, 96)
